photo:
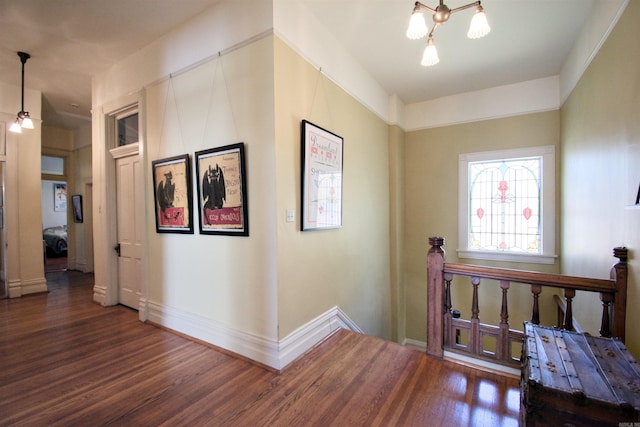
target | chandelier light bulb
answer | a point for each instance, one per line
(479, 26)
(430, 56)
(417, 26)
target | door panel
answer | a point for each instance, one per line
(130, 226)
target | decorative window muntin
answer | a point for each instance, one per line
(505, 205)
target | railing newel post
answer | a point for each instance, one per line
(435, 297)
(619, 276)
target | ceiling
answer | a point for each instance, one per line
(71, 40)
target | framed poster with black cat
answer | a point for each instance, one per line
(222, 190)
(172, 194)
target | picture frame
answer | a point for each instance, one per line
(59, 197)
(322, 168)
(173, 195)
(222, 191)
(76, 204)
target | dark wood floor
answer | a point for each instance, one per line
(67, 361)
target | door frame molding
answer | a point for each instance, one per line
(105, 208)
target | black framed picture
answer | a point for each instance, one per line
(172, 194)
(321, 178)
(76, 204)
(222, 190)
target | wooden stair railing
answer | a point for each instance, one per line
(444, 325)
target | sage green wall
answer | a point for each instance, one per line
(431, 209)
(601, 170)
(396, 221)
(346, 267)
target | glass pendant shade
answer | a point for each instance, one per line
(27, 123)
(430, 56)
(479, 26)
(417, 26)
(15, 127)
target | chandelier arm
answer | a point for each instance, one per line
(436, 25)
(421, 6)
(466, 6)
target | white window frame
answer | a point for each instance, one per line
(547, 208)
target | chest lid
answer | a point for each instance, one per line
(582, 365)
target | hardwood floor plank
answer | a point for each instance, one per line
(66, 361)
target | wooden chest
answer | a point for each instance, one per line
(574, 379)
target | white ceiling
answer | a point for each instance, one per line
(71, 40)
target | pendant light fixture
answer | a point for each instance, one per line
(418, 28)
(22, 120)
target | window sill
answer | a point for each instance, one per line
(507, 256)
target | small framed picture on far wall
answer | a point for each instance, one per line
(76, 204)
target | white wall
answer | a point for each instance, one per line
(25, 272)
(207, 84)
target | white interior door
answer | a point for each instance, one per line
(129, 201)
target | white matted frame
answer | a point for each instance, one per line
(322, 165)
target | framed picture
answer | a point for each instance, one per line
(321, 178)
(172, 193)
(76, 204)
(222, 191)
(59, 197)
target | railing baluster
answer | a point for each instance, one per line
(474, 339)
(448, 338)
(535, 311)
(504, 349)
(605, 324)
(568, 314)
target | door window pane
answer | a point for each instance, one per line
(127, 130)
(52, 165)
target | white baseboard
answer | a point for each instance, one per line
(481, 365)
(263, 350)
(100, 295)
(18, 288)
(307, 336)
(420, 345)
(469, 361)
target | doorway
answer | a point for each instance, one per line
(54, 213)
(129, 207)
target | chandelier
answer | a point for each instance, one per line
(22, 120)
(418, 28)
